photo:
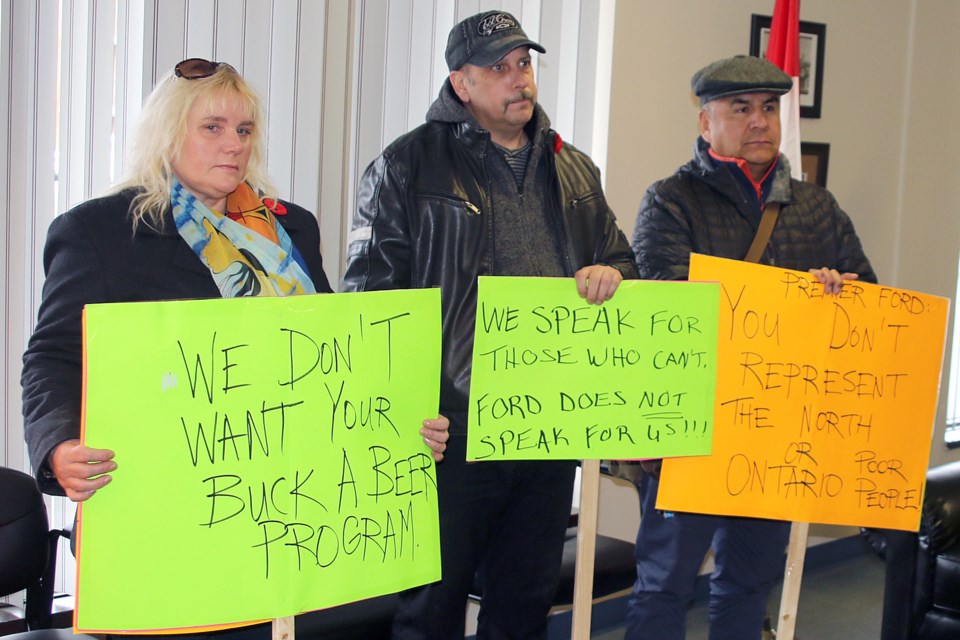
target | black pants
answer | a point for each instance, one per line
(503, 522)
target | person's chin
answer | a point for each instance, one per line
(230, 180)
(760, 154)
(760, 147)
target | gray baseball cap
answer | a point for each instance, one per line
(485, 38)
(739, 74)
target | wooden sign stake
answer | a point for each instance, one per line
(792, 575)
(586, 548)
(283, 628)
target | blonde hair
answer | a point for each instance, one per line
(163, 129)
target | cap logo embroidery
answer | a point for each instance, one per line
(495, 22)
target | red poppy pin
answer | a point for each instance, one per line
(275, 207)
(557, 142)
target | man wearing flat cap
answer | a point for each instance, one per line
(485, 187)
(714, 205)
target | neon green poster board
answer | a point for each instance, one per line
(269, 457)
(557, 378)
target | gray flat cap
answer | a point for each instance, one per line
(739, 74)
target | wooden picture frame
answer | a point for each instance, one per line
(813, 38)
(814, 158)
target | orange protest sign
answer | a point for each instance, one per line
(825, 404)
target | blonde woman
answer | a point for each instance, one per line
(176, 228)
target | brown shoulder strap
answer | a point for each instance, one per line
(770, 213)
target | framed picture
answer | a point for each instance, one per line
(814, 157)
(813, 37)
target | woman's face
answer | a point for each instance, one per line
(213, 160)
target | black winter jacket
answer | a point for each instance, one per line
(424, 219)
(702, 209)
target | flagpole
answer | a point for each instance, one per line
(783, 50)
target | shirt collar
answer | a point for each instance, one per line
(744, 166)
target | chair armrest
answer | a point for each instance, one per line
(940, 521)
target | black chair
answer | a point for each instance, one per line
(614, 568)
(28, 550)
(49, 634)
(921, 599)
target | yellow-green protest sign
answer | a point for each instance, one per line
(557, 378)
(825, 403)
(269, 456)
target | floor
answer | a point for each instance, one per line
(840, 601)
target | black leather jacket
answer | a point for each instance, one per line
(425, 219)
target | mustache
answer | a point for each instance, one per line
(522, 96)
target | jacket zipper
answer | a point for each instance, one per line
(576, 202)
(466, 204)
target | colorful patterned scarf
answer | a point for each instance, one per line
(247, 252)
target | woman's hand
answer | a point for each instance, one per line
(435, 433)
(80, 470)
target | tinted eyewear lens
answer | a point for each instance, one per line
(195, 68)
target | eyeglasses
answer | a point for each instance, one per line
(196, 68)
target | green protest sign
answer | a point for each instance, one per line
(557, 378)
(269, 456)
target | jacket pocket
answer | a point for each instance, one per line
(591, 199)
(448, 199)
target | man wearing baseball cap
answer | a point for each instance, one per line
(714, 205)
(486, 187)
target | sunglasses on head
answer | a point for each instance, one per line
(196, 68)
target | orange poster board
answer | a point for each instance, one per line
(825, 404)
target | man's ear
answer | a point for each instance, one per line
(458, 80)
(705, 125)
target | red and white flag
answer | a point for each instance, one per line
(783, 50)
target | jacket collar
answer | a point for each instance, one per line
(710, 170)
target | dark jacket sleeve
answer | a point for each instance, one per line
(614, 250)
(593, 234)
(662, 239)
(52, 370)
(378, 251)
(851, 257)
